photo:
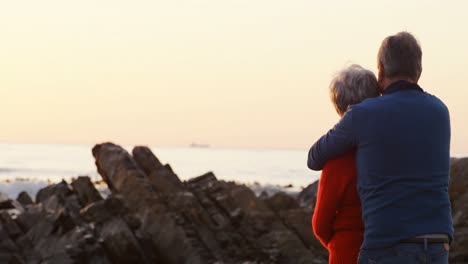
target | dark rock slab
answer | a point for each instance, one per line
(9, 251)
(122, 174)
(459, 247)
(12, 207)
(165, 180)
(102, 211)
(120, 243)
(9, 204)
(85, 190)
(458, 178)
(162, 177)
(61, 189)
(281, 201)
(31, 216)
(299, 221)
(168, 236)
(146, 159)
(24, 199)
(459, 197)
(11, 227)
(264, 237)
(308, 196)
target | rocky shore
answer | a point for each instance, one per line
(151, 216)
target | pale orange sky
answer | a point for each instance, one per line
(229, 73)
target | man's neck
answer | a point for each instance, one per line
(389, 81)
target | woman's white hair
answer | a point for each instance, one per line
(351, 86)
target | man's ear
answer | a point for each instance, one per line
(381, 76)
(419, 76)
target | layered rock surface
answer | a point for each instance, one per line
(152, 216)
(459, 197)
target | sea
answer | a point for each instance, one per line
(30, 167)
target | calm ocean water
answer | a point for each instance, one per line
(42, 163)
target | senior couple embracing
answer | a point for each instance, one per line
(383, 193)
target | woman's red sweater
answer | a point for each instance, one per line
(337, 220)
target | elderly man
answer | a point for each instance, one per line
(402, 158)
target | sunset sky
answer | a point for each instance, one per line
(243, 73)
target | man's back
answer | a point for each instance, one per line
(403, 141)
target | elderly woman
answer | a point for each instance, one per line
(337, 220)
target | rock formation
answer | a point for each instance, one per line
(459, 197)
(152, 216)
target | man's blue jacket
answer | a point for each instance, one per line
(402, 139)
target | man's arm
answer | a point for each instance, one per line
(339, 140)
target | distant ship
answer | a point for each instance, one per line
(197, 145)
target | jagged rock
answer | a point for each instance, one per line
(56, 202)
(30, 217)
(24, 199)
(87, 249)
(28, 253)
(459, 198)
(281, 201)
(299, 220)
(146, 159)
(161, 177)
(266, 238)
(202, 182)
(64, 212)
(9, 252)
(85, 190)
(458, 178)
(240, 196)
(7, 247)
(123, 176)
(165, 180)
(460, 211)
(307, 196)
(41, 229)
(60, 189)
(12, 207)
(120, 243)
(11, 259)
(13, 230)
(56, 237)
(101, 211)
(10, 204)
(458, 249)
(263, 195)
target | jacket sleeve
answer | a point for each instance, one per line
(329, 195)
(339, 140)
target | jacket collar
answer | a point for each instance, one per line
(401, 85)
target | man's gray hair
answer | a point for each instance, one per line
(351, 86)
(401, 56)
